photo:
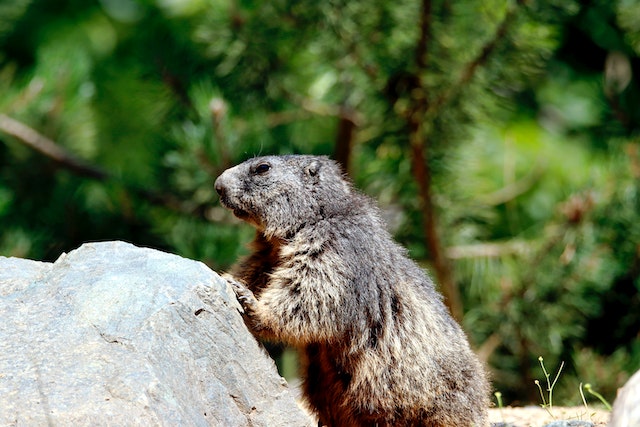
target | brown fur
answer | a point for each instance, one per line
(379, 346)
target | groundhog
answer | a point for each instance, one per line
(378, 345)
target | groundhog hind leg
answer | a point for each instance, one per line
(325, 388)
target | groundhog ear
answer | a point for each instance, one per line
(313, 168)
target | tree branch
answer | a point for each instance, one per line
(344, 137)
(66, 160)
(423, 110)
(469, 70)
(489, 250)
(514, 189)
(422, 171)
(50, 149)
(425, 33)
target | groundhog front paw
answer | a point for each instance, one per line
(244, 295)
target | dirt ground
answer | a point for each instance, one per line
(535, 416)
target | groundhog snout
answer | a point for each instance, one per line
(220, 189)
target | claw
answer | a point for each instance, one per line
(243, 294)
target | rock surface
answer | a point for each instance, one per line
(535, 416)
(626, 408)
(112, 334)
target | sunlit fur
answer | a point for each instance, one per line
(378, 344)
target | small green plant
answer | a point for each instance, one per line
(498, 396)
(548, 404)
(592, 392)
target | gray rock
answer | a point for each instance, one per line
(626, 408)
(112, 334)
(569, 423)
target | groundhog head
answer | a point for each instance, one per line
(280, 195)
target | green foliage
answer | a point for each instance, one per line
(547, 403)
(529, 115)
(597, 395)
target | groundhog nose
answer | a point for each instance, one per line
(219, 187)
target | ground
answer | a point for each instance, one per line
(535, 416)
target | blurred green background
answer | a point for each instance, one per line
(501, 138)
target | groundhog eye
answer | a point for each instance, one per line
(262, 168)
